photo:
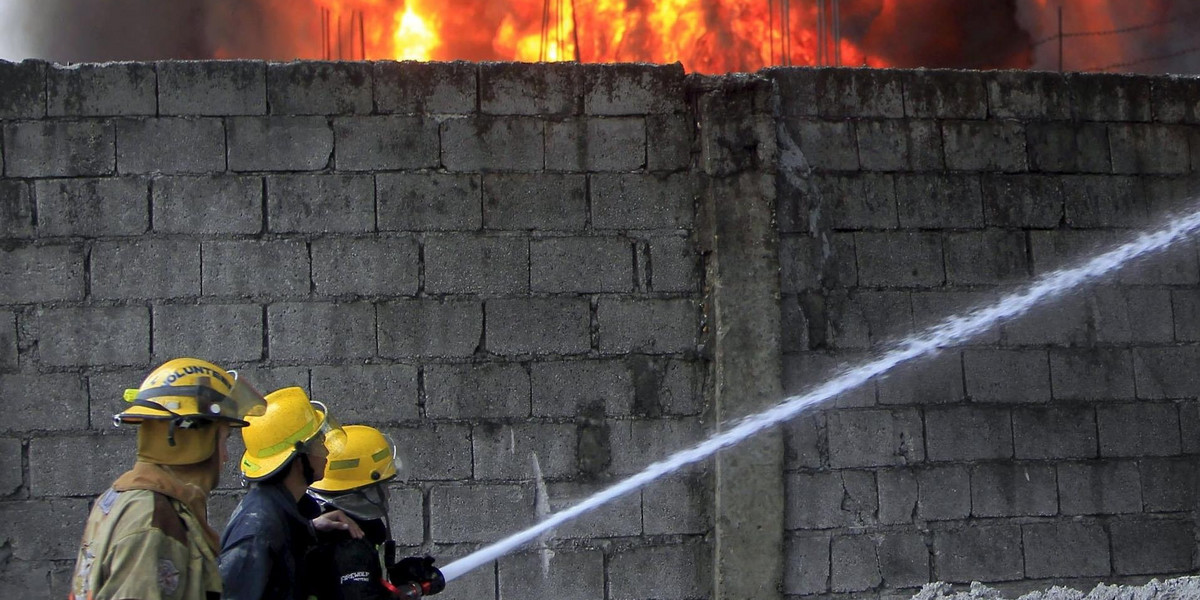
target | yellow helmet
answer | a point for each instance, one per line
(292, 424)
(177, 401)
(367, 457)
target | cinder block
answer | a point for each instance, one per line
(50, 402)
(609, 144)
(621, 517)
(507, 451)
(278, 143)
(1068, 147)
(1141, 429)
(862, 319)
(479, 584)
(674, 265)
(105, 397)
(483, 391)
(1174, 99)
(319, 88)
(874, 438)
(830, 499)
(107, 457)
(435, 451)
(17, 206)
(939, 201)
(674, 139)
(677, 506)
(1105, 314)
(212, 88)
(903, 559)
(524, 89)
(1165, 372)
(207, 204)
(1110, 96)
(846, 93)
(319, 331)
(51, 272)
(254, 268)
(1016, 376)
(493, 144)
(1028, 95)
(572, 575)
(406, 509)
(968, 433)
(1144, 546)
(535, 201)
(1149, 148)
(110, 335)
(170, 145)
(579, 387)
(538, 325)
(802, 373)
(59, 148)
(268, 379)
(586, 265)
(320, 203)
(23, 89)
(635, 201)
(808, 262)
(365, 266)
(855, 564)
(1099, 373)
(1189, 422)
(681, 571)
(11, 472)
(637, 444)
(945, 95)
(1054, 433)
(8, 343)
(1185, 308)
(826, 145)
(1099, 488)
(899, 145)
(92, 207)
(420, 87)
(897, 496)
(943, 493)
(222, 333)
(145, 268)
(479, 513)
(428, 201)
(1105, 201)
(385, 142)
(476, 264)
(667, 386)
(43, 529)
(1065, 549)
(1025, 201)
(979, 553)
(1013, 490)
(899, 259)
(985, 145)
(806, 563)
(97, 89)
(1053, 250)
(987, 257)
(1177, 265)
(866, 201)
(633, 89)
(648, 326)
(368, 393)
(1168, 484)
(430, 327)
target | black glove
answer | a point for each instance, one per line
(419, 570)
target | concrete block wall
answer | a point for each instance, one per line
(491, 262)
(1058, 448)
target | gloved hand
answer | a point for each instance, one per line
(419, 570)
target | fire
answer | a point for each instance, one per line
(414, 39)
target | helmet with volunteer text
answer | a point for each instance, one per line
(355, 476)
(292, 424)
(178, 400)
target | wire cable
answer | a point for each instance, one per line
(1181, 17)
(1148, 59)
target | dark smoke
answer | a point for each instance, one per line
(979, 34)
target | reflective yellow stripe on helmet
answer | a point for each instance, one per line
(289, 442)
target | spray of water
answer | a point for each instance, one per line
(953, 330)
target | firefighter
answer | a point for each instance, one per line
(272, 528)
(148, 536)
(344, 568)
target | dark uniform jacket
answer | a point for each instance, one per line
(264, 545)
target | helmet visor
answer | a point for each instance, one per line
(330, 436)
(366, 503)
(241, 401)
(246, 400)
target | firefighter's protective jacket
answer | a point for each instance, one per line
(147, 537)
(345, 568)
(264, 545)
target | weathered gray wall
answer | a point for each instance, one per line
(496, 260)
